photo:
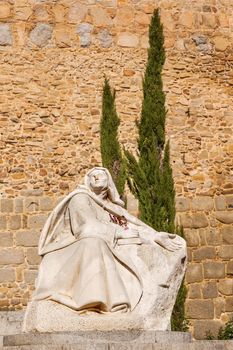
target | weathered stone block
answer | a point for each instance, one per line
(11, 256)
(5, 10)
(32, 256)
(205, 327)
(226, 252)
(186, 19)
(100, 17)
(7, 205)
(6, 239)
(209, 290)
(77, 13)
(203, 253)
(84, 30)
(196, 220)
(2, 222)
(199, 220)
(5, 35)
(227, 234)
(230, 268)
(192, 238)
(200, 309)
(214, 269)
(128, 40)
(213, 236)
(105, 38)
(182, 204)
(27, 238)
(229, 201)
(46, 204)
(229, 304)
(30, 276)
(19, 205)
(36, 221)
(226, 287)
(194, 291)
(220, 202)
(15, 222)
(202, 203)
(7, 275)
(41, 34)
(194, 273)
(226, 217)
(31, 204)
(124, 16)
(221, 43)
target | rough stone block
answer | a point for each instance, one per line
(209, 290)
(194, 273)
(15, 222)
(205, 327)
(220, 202)
(226, 287)
(41, 34)
(2, 222)
(84, 30)
(27, 238)
(200, 309)
(213, 236)
(32, 256)
(202, 203)
(7, 275)
(221, 43)
(5, 35)
(214, 269)
(226, 252)
(100, 17)
(124, 16)
(192, 238)
(36, 221)
(229, 304)
(219, 304)
(194, 291)
(46, 204)
(7, 205)
(229, 201)
(30, 276)
(105, 38)
(6, 239)
(77, 13)
(182, 204)
(203, 253)
(31, 204)
(5, 10)
(199, 220)
(196, 220)
(19, 205)
(227, 234)
(11, 256)
(128, 40)
(226, 217)
(230, 268)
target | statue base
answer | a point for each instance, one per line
(48, 316)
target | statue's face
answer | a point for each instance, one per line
(98, 180)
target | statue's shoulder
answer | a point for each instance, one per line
(80, 195)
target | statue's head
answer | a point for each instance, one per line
(99, 180)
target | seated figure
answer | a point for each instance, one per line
(91, 249)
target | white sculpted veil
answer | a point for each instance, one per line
(113, 194)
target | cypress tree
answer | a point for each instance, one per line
(150, 177)
(110, 147)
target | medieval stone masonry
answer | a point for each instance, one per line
(53, 57)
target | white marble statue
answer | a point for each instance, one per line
(99, 260)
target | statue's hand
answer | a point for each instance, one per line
(167, 240)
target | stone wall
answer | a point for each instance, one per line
(53, 56)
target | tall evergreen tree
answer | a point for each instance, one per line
(150, 177)
(110, 147)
